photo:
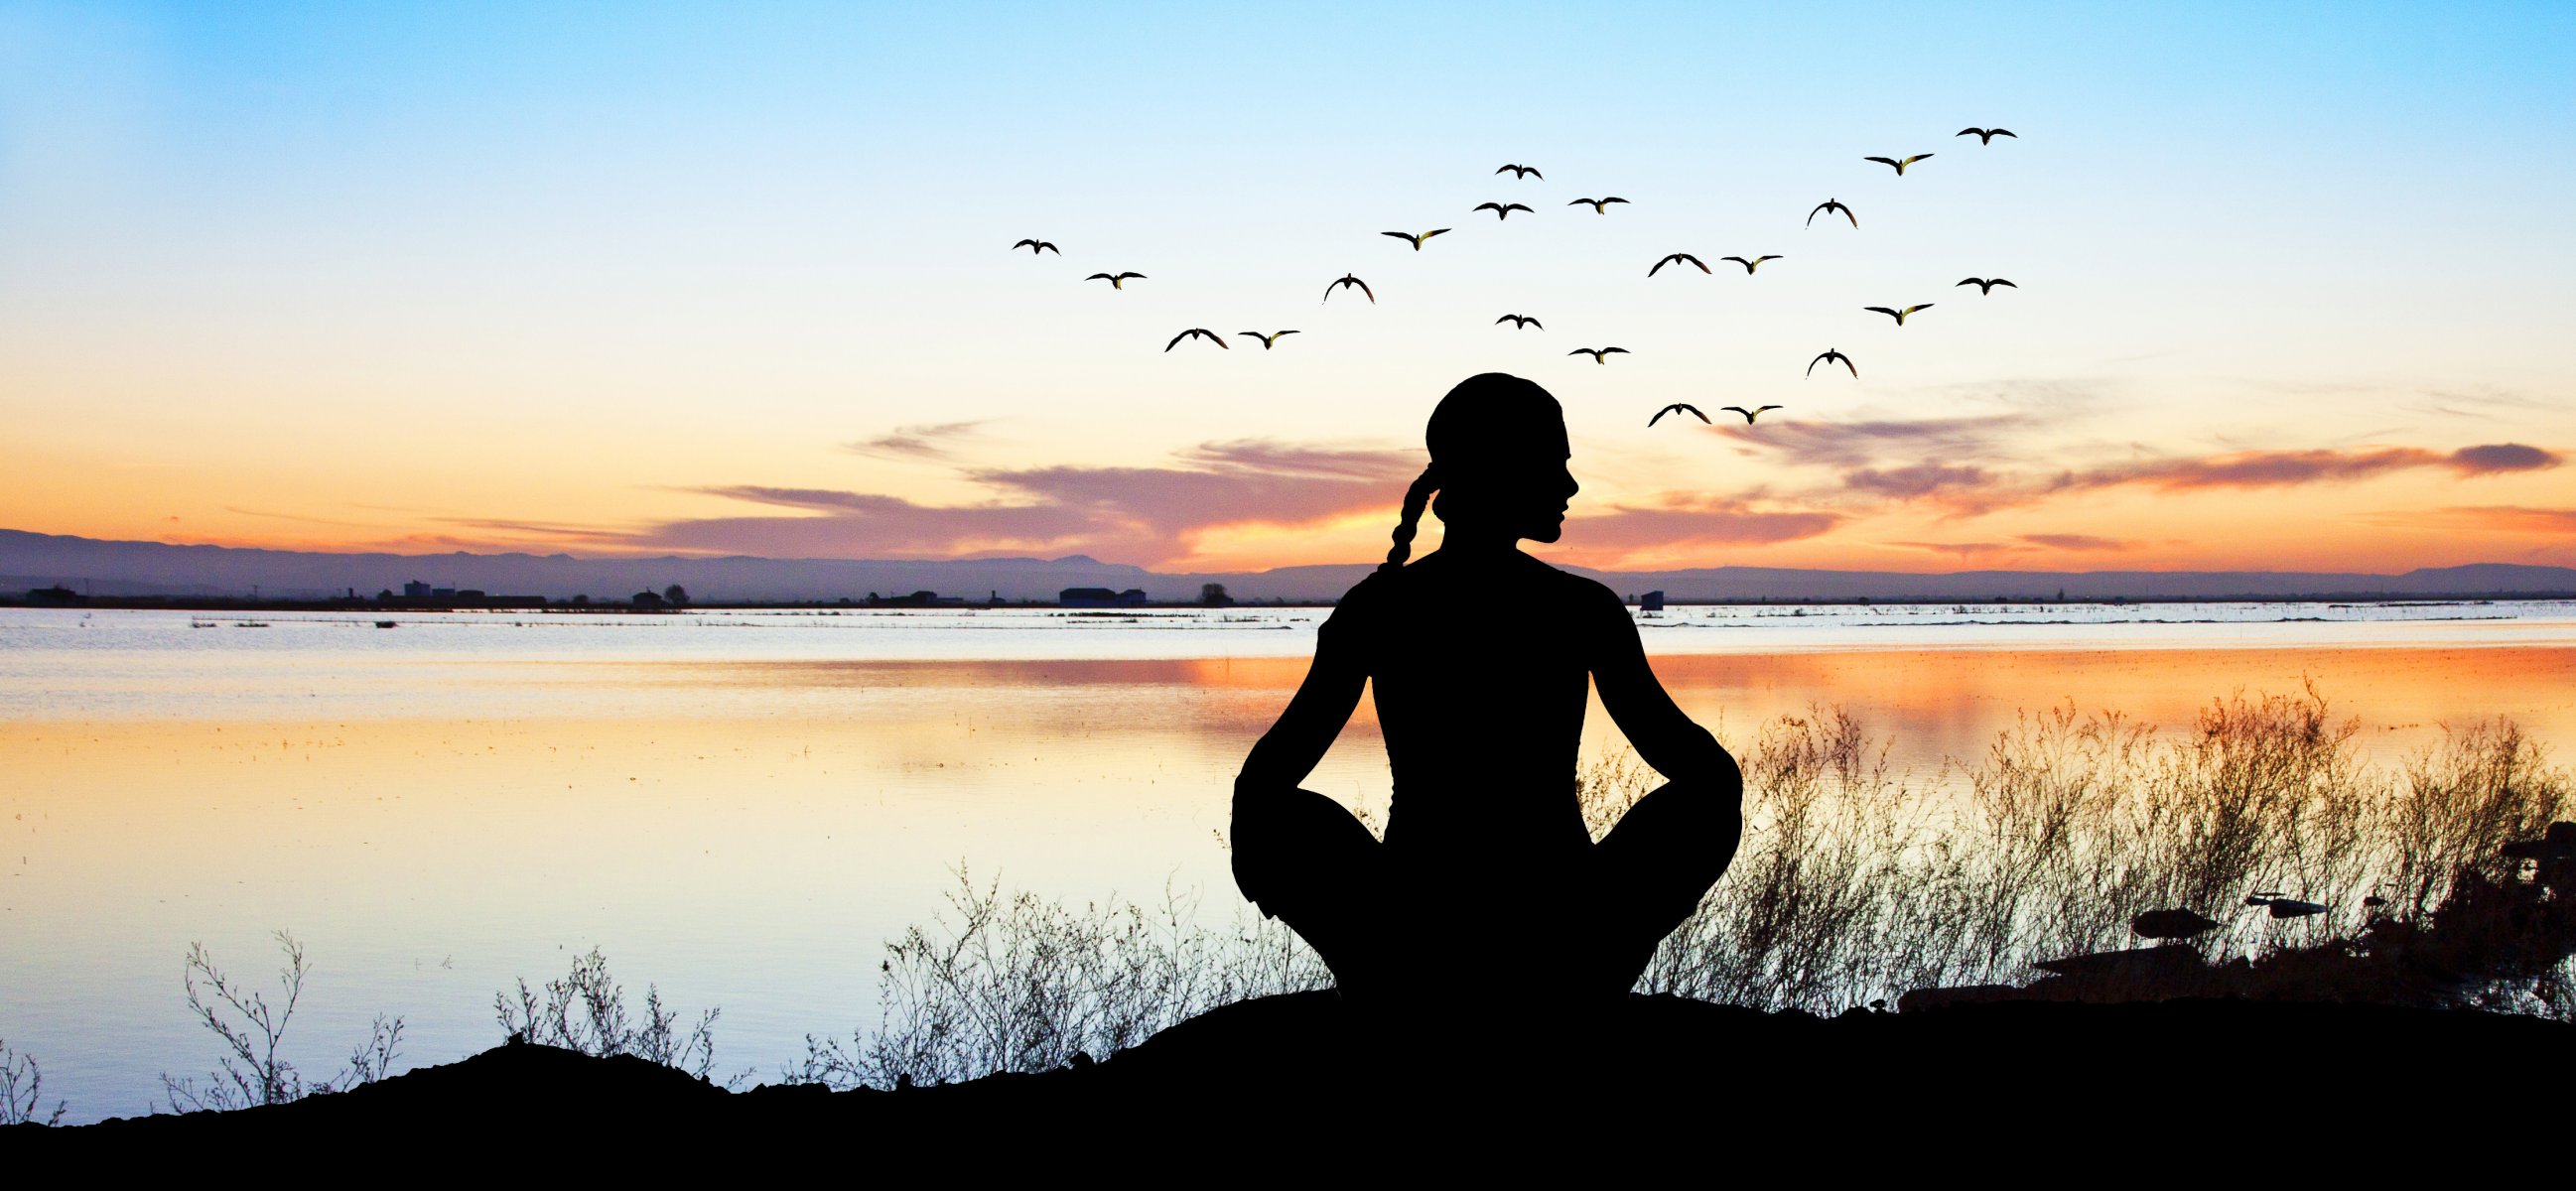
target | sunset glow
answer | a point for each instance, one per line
(698, 281)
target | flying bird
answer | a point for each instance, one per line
(1117, 281)
(1600, 355)
(1677, 407)
(1750, 414)
(1831, 205)
(1831, 356)
(1415, 240)
(1985, 136)
(1523, 171)
(1600, 206)
(1751, 265)
(1502, 210)
(1986, 285)
(1899, 315)
(1347, 279)
(1037, 246)
(1898, 166)
(1520, 322)
(1268, 341)
(1199, 332)
(1678, 256)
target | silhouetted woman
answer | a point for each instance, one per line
(1488, 882)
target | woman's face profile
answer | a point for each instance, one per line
(1526, 499)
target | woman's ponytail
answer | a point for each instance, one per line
(1416, 498)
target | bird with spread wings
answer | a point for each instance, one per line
(1197, 333)
(1416, 241)
(1676, 258)
(1832, 205)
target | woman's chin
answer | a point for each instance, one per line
(1546, 533)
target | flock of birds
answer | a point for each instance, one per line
(1600, 206)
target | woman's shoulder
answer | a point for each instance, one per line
(1574, 589)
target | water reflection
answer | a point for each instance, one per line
(745, 831)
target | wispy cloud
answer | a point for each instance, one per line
(2079, 541)
(1140, 514)
(914, 442)
(2495, 518)
(2272, 469)
(1922, 479)
(1684, 522)
(1862, 444)
(1965, 549)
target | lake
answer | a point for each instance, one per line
(740, 807)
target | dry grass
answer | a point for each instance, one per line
(1854, 882)
(1016, 983)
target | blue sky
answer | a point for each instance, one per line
(582, 276)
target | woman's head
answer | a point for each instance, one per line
(1498, 452)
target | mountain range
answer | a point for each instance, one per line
(117, 568)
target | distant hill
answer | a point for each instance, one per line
(109, 568)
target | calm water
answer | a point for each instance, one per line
(742, 806)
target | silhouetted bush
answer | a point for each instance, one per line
(585, 1010)
(1017, 983)
(22, 1090)
(1854, 884)
(253, 1031)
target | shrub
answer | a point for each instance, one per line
(22, 1090)
(254, 1030)
(585, 1011)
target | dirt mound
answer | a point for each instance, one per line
(1295, 1083)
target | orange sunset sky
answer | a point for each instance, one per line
(715, 281)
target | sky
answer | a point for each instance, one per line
(737, 279)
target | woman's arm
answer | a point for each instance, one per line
(1323, 704)
(1664, 737)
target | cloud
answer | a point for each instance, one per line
(2272, 469)
(913, 442)
(1922, 479)
(2501, 518)
(2501, 457)
(1683, 522)
(2077, 541)
(1145, 515)
(1858, 444)
(1964, 549)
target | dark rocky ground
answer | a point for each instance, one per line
(1289, 1087)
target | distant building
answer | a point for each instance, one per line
(1100, 597)
(415, 590)
(57, 594)
(918, 599)
(1652, 601)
